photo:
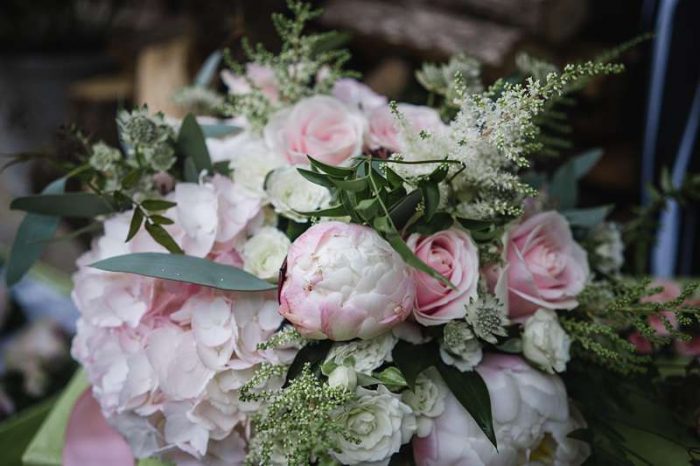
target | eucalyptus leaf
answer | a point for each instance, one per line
(219, 130)
(587, 218)
(187, 269)
(583, 163)
(79, 205)
(470, 390)
(564, 187)
(208, 69)
(191, 144)
(31, 239)
(190, 170)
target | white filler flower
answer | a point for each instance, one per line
(426, 399)
(545, 343)
(264, 253)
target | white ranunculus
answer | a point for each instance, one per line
(343, 376)
(545, 343)
(380, 423)
(426, 399)
(363, 356)
(459, 346)
(289, 193)
(264, 253)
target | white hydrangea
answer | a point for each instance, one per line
(378, 423)
(426, 399)
(264, 253)
(459, 346)
(290, 193)
(363, 356)
(545, 342)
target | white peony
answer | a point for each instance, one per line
(289, 193)
(426, 399)
(459, 346)
(545, 343)
(264, 253)
(363, 356)
(379, 422)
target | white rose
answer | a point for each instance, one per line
(363, 356)
(426, 399)
(264, 253)
(343, 376)
(289, 193)
(459, 346)
(379, 422)
(545, 343)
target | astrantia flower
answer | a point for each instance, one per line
(344, 281)
(545, 343)
(459, 347)
(290, 193)
(377, 424)
(487, 317)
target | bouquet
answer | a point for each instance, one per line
(307, 273)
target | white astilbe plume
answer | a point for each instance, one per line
(491, 135)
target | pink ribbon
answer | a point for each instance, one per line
(90, 441)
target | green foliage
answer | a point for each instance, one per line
(299, 423)
(306, 65)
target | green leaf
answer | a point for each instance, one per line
(31, 239)
(190, 171)
(81, 205)
(130, 180)
(355, 185)
(160, 220)
(223, 167)
(316, 178)
(469, 388)
(135, 224)
(431, 198)
(441, 221)
(17, 431)
(187, 269)
(564, 187)
(413, 359)
(191, 143)
(393, 178)
(46, 448)
(219, 130)
(157, 204)
(208, 69)
(587, 218)
(392, 377)
(404, 210)
(368, 208)
(162, 237)
(314, 353)
(154, 462)
(439, 174)
(331, 169)
(583, 163)
(336, 211)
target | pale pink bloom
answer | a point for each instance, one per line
(384, 130)
(344, 281)
(320, 126)
(237, 212)
(453, 254)
(261, 76)
(526, 405)
(688, 348)
(641, 344)
(546, 267)
(357, 94)
(196, 215)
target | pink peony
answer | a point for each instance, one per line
(384, 128)
(344, 281)
(529, 408)
(451, 253)
(353, 92)
(320, 126)
(545, 266)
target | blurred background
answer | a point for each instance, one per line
(78, 61)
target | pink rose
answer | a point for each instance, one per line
(451, 253)
(353, 92)
(688, 348)
(545, 266)
(262, 77)
(344, 281)
(320, 126)
(641, 344)
(384, 128)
